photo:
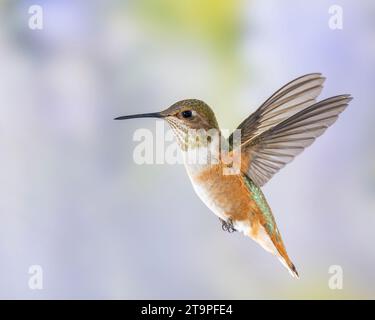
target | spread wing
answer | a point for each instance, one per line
(272, 149)
(293, 97)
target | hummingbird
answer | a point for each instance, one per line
(281, 128)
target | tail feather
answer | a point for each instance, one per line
(274, 244)
(290, 266)
(283, 255)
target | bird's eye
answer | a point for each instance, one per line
(187, 114)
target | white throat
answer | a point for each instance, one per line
(202, 156)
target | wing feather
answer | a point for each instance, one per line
(290, 99)
(271, 150)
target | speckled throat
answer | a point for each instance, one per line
(188, 138)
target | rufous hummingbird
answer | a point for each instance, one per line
(271, 137)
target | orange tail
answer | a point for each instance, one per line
(285, 260)
(274, 244)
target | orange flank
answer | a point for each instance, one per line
(234, 198)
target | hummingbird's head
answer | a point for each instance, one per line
(190, 114)
(184, 116)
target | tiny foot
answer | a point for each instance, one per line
(227, 225)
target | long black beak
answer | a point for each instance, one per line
(142, 115)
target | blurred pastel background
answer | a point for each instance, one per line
(73, 201)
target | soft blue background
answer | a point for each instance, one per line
(73, 201)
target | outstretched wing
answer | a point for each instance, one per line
(271, 150)
(293, 97)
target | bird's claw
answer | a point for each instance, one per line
(227, 225)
